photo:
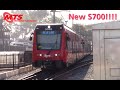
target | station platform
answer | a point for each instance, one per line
(7, 73)
(2, 70)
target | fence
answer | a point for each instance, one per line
(15, 60)
(11, 48)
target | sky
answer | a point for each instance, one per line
(65, 15)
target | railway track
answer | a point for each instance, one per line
(58, 75)
(53, 75)
(37, 76)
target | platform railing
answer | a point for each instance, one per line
(15, 60)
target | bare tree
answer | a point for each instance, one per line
(24, 28)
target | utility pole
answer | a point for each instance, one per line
(54, 11)
(53, 15)
(2, 31)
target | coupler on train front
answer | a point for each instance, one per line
(48, 64)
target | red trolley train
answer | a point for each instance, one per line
(58, 46)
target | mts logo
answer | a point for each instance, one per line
(12, 17)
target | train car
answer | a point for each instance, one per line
(56, 46)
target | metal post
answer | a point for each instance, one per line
(53, 15)
(6, 58)
(13, 62)
(66, 22)
(24, 59)
(18, 60)
(3, 43)
(72, 24)
(3, 40)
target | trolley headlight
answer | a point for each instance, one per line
(57, 55)
(39, 55)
